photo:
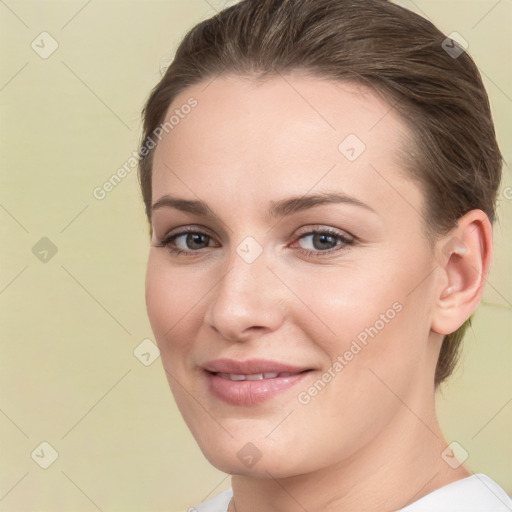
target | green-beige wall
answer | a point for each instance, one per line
(72, 320)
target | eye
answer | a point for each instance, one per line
(186, 242)
(320, 242)
(317, 242)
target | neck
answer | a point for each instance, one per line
(394, 469)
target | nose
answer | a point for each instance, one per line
(248, 301)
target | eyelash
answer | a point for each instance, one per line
(345, 242)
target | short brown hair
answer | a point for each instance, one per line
(439, 94)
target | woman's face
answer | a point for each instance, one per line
(337, 323)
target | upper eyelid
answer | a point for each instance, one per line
(186, 230)
(309, 229)
(324, 229)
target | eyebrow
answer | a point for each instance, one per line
(277, 209)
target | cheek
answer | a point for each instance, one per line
(344, 301)
(368, 313)
(170, 298)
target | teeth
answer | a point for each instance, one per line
(253, 376)
(234, 377)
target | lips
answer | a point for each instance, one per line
(251, 382)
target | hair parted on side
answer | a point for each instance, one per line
(454, 155)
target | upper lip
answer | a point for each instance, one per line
(251, 366)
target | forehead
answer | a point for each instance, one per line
(281, 136)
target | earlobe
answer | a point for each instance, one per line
(465, 255)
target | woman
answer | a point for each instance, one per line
(320, 179)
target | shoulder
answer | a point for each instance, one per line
(477, 493)
(218, 503)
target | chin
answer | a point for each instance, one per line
(263, 468)
(257, 459)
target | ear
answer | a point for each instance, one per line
(464, 256)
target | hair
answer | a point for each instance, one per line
(439, 94)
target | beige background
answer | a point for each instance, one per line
(69, 376)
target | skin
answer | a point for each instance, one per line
(373, 426)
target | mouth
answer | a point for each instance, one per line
(252, 367)
(255, 376)
(251, 382)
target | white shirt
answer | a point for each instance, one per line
(476, 493)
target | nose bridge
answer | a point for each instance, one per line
(247, 296)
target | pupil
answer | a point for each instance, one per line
(323, 238)
(195, 238)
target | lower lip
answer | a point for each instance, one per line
(251, 392)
